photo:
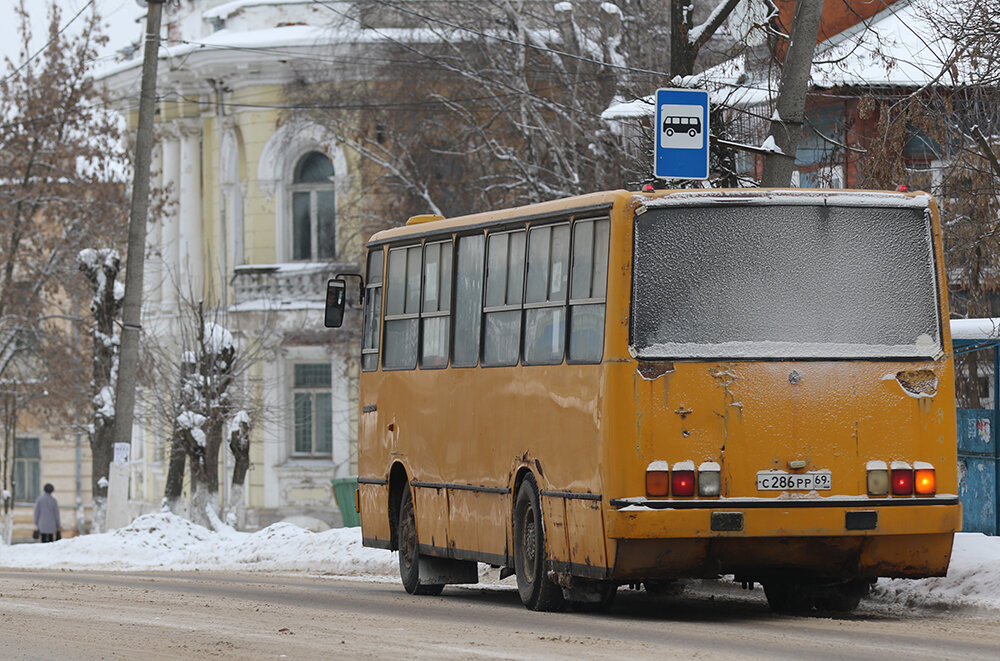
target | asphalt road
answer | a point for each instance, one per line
(94, 615)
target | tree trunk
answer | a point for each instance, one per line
(786, 127)
(174, 488)
(102, 453)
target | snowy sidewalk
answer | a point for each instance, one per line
(170, 543)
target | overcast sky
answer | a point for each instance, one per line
(119, 17)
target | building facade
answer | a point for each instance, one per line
(258, 212)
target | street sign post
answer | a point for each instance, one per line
(681, 150)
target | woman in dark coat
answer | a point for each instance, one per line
(47, 515)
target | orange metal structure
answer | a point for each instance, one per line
(466, 445)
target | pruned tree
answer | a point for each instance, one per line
(61, 190)
(101, 268)
(200, 388)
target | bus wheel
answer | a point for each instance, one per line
(409, 555)
(787, 597)
(843, 598)
(537, 591)
(692, 132)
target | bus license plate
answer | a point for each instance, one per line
(781, 481)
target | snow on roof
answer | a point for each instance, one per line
(898, 47)
(975, 329)
(226, 10)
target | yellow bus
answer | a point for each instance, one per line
(630, 388)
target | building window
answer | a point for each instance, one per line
(312, 402)
(27, 469)
(314, 209)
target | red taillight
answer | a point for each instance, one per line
(902, 481)
(657, 482)
(682, 482)
(924, 482)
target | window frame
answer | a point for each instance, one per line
(26, 464)
(437, 314)
(313, 189)
(548, 303)
(571, 302)
(373, 293)
(506, 306)
(311, 391)
(404, 316)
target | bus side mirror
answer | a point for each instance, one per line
(335, 299)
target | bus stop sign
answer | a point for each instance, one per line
(681, 150)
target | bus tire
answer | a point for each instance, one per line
(409, 553)
(537, 592)
(844, 597)
(787, 597)
(692, 132)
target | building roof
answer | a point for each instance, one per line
(898, 47)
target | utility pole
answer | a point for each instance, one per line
(787, 126)
(132, 303)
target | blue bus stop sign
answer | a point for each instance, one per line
(681, 150)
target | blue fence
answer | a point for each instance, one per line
(977, 470)
(978, 454)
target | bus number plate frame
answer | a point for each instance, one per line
(782, 481)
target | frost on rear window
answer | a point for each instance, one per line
(784, 281)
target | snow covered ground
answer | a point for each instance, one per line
(167, 542)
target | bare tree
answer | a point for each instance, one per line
(101, 267)
(60, 190)
(200, 387)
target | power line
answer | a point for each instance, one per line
(47, 44)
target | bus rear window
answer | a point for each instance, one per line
(784, 281)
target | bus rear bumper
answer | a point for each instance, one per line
(867, 539)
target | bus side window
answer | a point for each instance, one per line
(402, 308)
(373, 311)
(504, 287)
(545, 295)
(468, 300)
(588, 289)
(435, 311)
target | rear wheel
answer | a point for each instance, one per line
(409, 554)
(537, 591)
(843, 598)
(787, 597)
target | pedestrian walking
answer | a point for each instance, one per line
(47, 524)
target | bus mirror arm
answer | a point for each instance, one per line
(361, 284)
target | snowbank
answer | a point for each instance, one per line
(164, 541)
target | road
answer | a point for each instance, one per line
(94, 615)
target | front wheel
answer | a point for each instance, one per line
(409, 553)
(537, 592)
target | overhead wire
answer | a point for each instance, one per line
(47, 44)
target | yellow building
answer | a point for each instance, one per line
(261, 212)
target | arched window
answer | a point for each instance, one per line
(314, 209)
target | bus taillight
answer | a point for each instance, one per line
(902, 479)
(878, 478)
(658, 479)
(709, 479)
(682, 482)
(924, 479)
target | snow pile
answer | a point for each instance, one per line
(973, 579)
(169, 542)
(165, 541)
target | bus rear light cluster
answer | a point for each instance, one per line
(683, 480)
(901, 479)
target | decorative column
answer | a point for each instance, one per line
(190, 209)
(170, 230)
